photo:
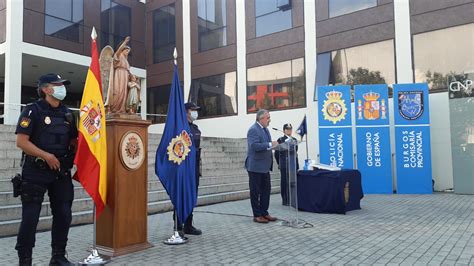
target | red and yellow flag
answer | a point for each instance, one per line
(91, 155)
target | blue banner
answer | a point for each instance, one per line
(412, 138)
(176, 155)
(335, 125)
(373, 138)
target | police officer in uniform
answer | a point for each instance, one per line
(281, 157)
(192, 115)
(47, 135)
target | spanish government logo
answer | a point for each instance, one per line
(132, 151)
(334, 108)
(372, 108)
(410, 104)
(92, 119)
(179, 147)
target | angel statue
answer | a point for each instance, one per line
(115, 72)
(133, 99)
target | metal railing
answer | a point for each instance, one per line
(74, 109)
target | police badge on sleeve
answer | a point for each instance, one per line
(25, 122)
(410, 104)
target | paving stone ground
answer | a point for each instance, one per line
(433, 229)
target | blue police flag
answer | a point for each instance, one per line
(176, 155)
(302, 129)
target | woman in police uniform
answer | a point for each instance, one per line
(281, 159)
(47, 135)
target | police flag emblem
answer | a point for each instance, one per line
(410, 104)
(179, 147)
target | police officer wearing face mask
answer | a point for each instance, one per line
(192, 115)
(47, 135)
(281, 159)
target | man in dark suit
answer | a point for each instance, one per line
(259, 163)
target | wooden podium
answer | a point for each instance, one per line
(122, 226)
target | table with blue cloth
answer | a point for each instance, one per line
(325, 191)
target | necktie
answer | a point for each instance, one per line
(269, 138)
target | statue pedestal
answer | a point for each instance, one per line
(122, 226)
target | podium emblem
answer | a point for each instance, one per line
(179, 147)
(410, 104)
(132, 152)
(334, 108)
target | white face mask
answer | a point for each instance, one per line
(59, 92)
(194, 115)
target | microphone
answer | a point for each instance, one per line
(276, 129)
(287, 140)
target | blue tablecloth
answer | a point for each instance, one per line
(325, 191)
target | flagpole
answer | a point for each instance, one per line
(307, 157)
(175, 239)
(94, 257)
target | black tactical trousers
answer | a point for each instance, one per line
(61, 193)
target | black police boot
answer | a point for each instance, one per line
(58, 257)
(189, 228)
(24, 257)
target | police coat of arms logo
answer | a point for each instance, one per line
(410, 104)
(132, 151)
(179, 147)
(334, 108)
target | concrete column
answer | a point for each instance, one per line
(186, 49)
(241, 43)
(403, 41)
(310, 72)
(13, 61)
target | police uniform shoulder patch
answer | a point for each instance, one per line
(25, 122)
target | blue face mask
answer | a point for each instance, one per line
(59, 92)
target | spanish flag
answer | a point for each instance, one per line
(91, 155)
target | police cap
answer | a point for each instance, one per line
(192, 106)
(52, 78)
(287, 126)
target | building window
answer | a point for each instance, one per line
(64, 19)
(341, 7)
(444, 56)
(164, 33)
(212, 24)
(157, 103)
(366, 64)
(116, 21)
(217, 95)
(276, 86)
(272, 16)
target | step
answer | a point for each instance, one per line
(8, 163)
(9, 153)
(10, 228)
(7, 174)
(6, 198)
(8, 128)
(11, 212)
(206, 171)
(160, 195)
